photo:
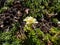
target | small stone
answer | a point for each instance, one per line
(1, 25)
(27, 11)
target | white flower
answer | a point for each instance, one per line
(58, 22)
(30, 20)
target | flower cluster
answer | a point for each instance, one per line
(30, 20)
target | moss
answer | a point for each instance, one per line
(46, 12)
